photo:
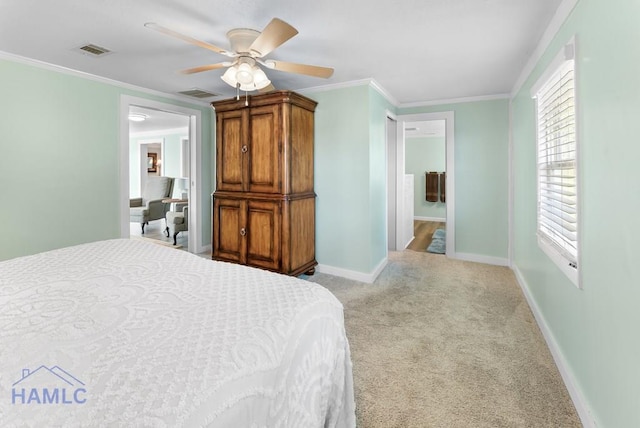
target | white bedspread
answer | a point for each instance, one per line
(128, 333)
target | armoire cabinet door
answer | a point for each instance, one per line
(248, 152)
(229, 231)
(264, 154)
(231, 148)
(263, 237)
(247, 231)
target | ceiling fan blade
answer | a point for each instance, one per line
(309, 70)
(267, 89)
(274, 34)
(187, 39)
(205, 68)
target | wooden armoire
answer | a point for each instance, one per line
(264, 202)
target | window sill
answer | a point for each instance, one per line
(561, 262)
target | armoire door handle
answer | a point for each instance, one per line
(243, 231)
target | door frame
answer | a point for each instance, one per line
(449, 118)
(391, 153)
(195, 172)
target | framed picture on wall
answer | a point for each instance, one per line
(152, 162)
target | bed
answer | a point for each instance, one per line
(128, 333)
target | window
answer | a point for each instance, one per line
(557, 217)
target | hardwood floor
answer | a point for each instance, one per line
(156, 230)
(422, 232)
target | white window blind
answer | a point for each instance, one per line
(557, 165)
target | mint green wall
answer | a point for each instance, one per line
(423, 154)
(481, 175)
(350, 178)
(342, 178)
(596, 328)
(59, 159)
(172, 149)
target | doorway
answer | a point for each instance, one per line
(402, 189)
(191, 183)
(425, 161)
(156, 150)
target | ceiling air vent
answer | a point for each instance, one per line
(93, 50)
(198, 93)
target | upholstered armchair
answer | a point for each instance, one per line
(177, 221)
(150, 206)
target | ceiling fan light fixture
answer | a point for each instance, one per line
(260, 79)
(244, 74)
(229, 76)
(137, 117)
(249, 77)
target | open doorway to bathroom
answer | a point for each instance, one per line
(432, 212)
(426, 161)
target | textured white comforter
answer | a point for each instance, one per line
(128, 333)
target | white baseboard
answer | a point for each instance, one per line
(479, 258)
(369, 278)
(567, 376)
(409, 242)
(439, 219)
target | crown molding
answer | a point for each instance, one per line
(563, 11)
(561, 15)
(353, 83)
(382, 91)
(456, 100)
(71, 72)
(379, 88)
(331, 86)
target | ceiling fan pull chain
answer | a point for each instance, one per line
(238, 92)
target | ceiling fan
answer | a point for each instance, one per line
(248, 49)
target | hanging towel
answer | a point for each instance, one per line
(432, 187)
(443, 187)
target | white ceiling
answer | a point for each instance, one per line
(417, 50)
(425, 128)
(157, 121)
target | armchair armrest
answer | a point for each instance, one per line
(155, 202)
(157, 208)
(135, 202)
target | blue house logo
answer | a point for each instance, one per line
(46, 385)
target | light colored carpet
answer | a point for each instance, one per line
(445, 343)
